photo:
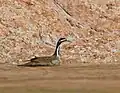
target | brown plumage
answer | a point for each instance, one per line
(47, 60)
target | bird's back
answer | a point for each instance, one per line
(43, 61)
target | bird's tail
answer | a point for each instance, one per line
(24, 64)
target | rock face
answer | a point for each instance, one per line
(31, 28)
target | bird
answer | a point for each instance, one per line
(53, 60)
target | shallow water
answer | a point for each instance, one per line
(60, 79)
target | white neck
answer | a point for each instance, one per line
(57, 52)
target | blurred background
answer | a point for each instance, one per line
(31, 28)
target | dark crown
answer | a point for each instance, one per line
(62, 40)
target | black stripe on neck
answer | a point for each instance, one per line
(57, 49)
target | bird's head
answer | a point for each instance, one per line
(61, 40)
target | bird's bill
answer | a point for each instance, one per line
(69, 39)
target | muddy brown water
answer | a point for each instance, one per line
(60, 79)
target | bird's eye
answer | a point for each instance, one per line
(63, 40)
